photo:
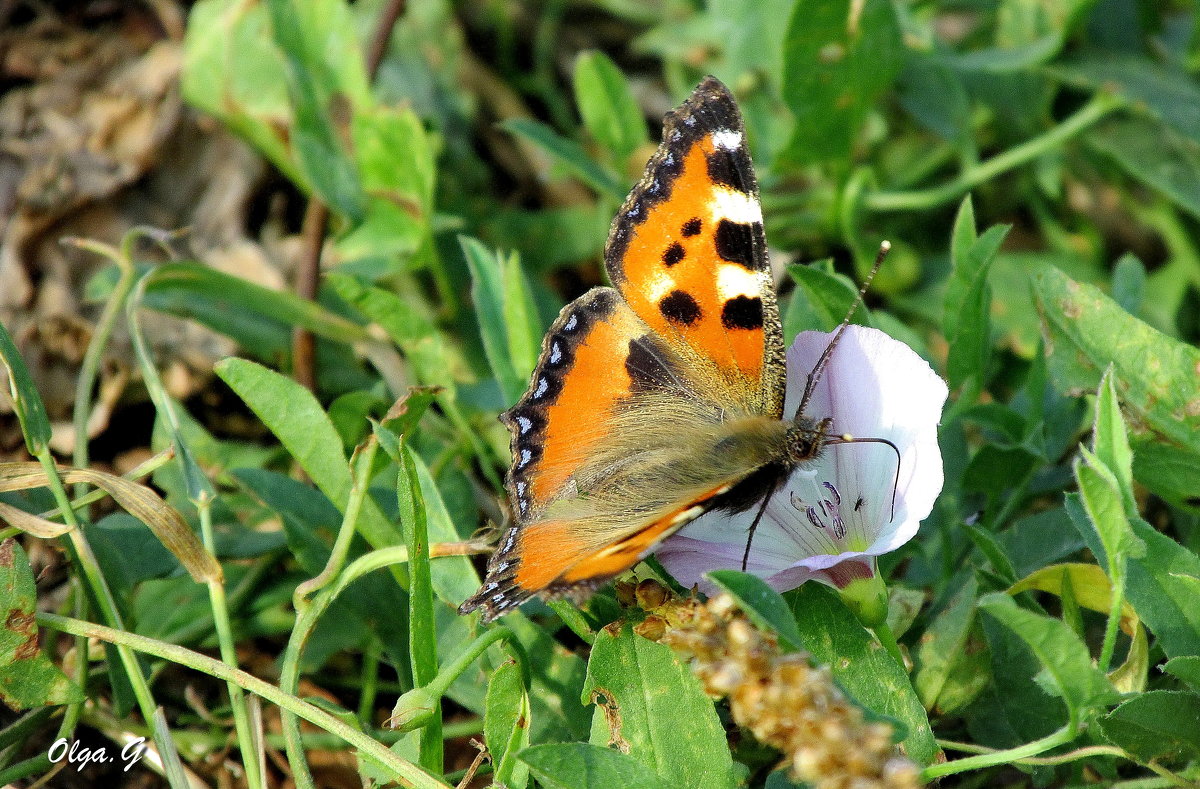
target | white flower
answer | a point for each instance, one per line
(834, 515)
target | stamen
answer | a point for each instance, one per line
(814, 519)
(836, 496)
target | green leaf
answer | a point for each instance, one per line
(942, 644)
(1111, 440)
(967, 305)
(580, 765)
(506, 724)
(1153, 155)
(833, 636)
(1071, 673)
(27, 403)
(1158, 724)
(1170, 96)
(1086, 331)
(1187, 668)
(765, 607)
(820, 300)
(27, 677)
(1129, 283)
(1171, 472)
(296, 418)
(233, 71)
(202, 293)
(327, 83)
(751, 35)
(935, 96)
(395, 163)
(406, 324)
(835, 65)
(1102, 501)
(507, 319)
(642, 694)
(1161, 583)
(569, 154)
(609, 111)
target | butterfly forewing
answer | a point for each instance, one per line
(687, 252)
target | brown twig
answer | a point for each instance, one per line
(316, 219)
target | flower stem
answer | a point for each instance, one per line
(1101, 104)
(1060, 737)
(888, 639)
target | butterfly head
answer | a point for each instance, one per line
(806, 438)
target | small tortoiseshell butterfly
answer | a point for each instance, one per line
(660, 398)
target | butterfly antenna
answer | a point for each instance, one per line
(819, 368)
(848, 439)
(758, 517)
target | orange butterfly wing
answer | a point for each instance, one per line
(616, 443)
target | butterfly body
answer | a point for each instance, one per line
(660, 398)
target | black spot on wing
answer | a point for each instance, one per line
(673, 255)
(691, 227)
(647, 365)
(735, 242)
(742, 312)
(680, 307)
(731, 168)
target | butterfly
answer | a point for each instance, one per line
(660, 398)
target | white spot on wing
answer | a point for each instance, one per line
(526, 456)
(542, 386)
(735, 206)
(734, 281)
(524, 423)
(571, 323)
(659, 287)
(555, 353)
(727, 139)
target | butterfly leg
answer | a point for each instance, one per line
(758, 517)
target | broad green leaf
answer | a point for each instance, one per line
(1159, 724)
(233, 71)
(1172, 472)
(1100, 497)
(820, 300)
(1086, 332)
(394, 156)
(943, 644)
(581, 765)
(838, 58)
(833, 636)
(1170, 96)
(765, 607)
(609, 111)
(934, 95)
(1161, 585)
(1153, 155)
(1069, 668)
(523, 329)
(27, 403)
(1187, 668)
(27, 677)
(327, 83)
(642, 694)
(569, 154)
(506, 724)
(296, 418)
(752, 35)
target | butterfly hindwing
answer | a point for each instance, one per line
(688, 254)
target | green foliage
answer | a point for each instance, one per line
(1036, 166)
